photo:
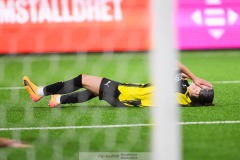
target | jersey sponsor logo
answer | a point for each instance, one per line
(184, 85)
(107, 84)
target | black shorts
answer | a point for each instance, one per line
(110, 93)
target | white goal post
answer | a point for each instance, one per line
(166, 138)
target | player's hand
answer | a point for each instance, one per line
(202, 83)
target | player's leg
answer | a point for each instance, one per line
(96, 86)
(63, 87)
(75, 97)
(91, 83)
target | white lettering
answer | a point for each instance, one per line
(93, 10)
(117, 10)
(55, 11)
(66, 15)
(59, 11)
(105, 11)
(79, 10)
(22, 15)
(33, 10)
(44, 12)
(7, 12)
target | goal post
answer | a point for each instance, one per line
(163, 57)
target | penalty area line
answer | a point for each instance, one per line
(114, 126)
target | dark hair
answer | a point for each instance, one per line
(205, 98)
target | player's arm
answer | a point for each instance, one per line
(184, 76)
(198, 81)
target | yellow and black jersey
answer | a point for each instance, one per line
(136, 95)
(182, 94)
(125, 94)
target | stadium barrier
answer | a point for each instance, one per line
(34, 26)
(74, 26)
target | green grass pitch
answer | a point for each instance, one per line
(202, 141)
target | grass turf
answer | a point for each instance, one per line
(215, 142)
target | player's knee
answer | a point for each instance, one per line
(84, 78)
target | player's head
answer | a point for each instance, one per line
(201, 96)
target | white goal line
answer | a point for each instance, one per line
(214, 82)
(114, 126)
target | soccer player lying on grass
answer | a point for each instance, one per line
(199, 93)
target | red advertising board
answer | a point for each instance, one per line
(74, 25)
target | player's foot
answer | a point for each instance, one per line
(53, 101)
(31, 88)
